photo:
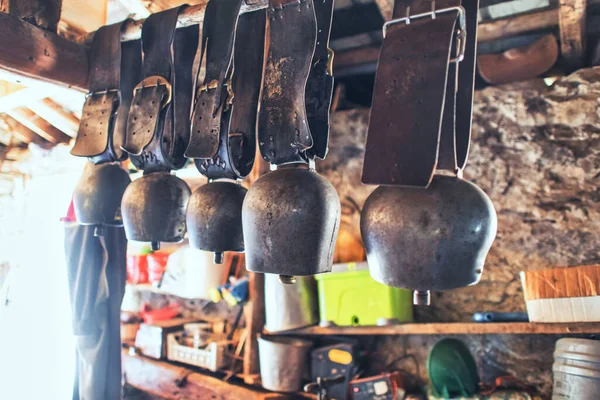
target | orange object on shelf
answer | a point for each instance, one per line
(137, 268)
(157, 264)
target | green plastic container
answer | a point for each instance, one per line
(349, 296)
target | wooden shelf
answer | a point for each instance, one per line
(456, 328)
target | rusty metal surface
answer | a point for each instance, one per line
(283, 131)
(97, 196)
(290, 220)
(428, 239)
(214, 217)
(153, 208)
(408, 101)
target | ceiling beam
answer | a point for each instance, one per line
(40, 126)
(53, 112)
(32, 52)
(572, 28)
(21, 98)
(42, 13)
(136, 7)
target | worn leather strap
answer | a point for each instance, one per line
(237, 140)
(421, 110)
(114, 70)
(218, 35)
(158, 127)
(319, 87)
(283, 130)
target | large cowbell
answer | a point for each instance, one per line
(214, 218)
(428, 239)
(153, 208)
(291, 218)
(97, 196)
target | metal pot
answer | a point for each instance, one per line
(290, 219)
(290, 306)
(283, 362)
(428, 239)
(153, 208)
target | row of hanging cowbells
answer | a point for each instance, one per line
(268, 79)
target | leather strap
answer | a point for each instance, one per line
(421, 111)
(114, 70)
(158, 127)
(237, 140)
(319, 87)
(218, 34)
(283, 130)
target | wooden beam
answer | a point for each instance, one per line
(519, 24)
(40, 126)
(20, 131)
(55, 115)
(42, 13)
(455, 328)
(170, 381)
(32, 52)
(137, 8)
(572, 27)
(84, 15)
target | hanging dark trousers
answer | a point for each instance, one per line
(97, 275)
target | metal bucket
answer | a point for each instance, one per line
(576, 370)
(290, 306)
(283, 362)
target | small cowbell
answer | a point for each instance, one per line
(214, 218)
(428, 239)
(153, 208)
(291, 218)
(97, 196)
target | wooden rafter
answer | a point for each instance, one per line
(52, 112)
(20, 131)
(38, 125)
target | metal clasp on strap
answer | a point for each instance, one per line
(461, 33)
(154, 81)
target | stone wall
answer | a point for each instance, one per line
(536, 153)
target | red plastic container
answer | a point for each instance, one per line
(137, 268)
(157, 264)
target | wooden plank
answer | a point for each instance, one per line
(517, 25)
(32, 52)
(21, 98)
(572, 27)
(455, 328)
(170, 381)
(40, 126)
(255, 321)
(84, 15)
(52, 112)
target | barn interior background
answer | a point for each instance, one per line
(535, 152)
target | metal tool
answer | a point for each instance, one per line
(322, 385)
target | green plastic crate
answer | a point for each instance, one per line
(349, 296)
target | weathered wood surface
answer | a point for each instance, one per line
(32, 52)
(170, 381)
(255, 320)
(42, 13)
(456, 328)
(572, 28)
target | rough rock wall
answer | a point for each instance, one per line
(536, 153)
